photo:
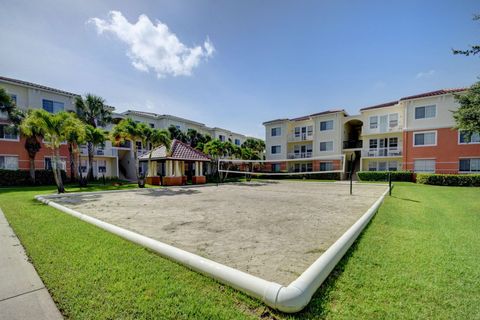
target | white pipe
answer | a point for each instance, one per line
(290, 299)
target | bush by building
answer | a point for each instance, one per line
(22, 177)
(470, 180)
(383, 175)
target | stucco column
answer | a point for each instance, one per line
(178, 172)
(168, 169)
(200, 168)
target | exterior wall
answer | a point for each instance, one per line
(366, 114)
(446, 153)
(443, 119)
(335, 135)
(280, 140)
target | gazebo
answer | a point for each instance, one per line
(175, 166)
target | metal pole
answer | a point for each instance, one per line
(389, 183)
(351, 173)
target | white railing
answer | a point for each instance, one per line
(300, 137)
(299, 155)
(382, 152)
(100, 152)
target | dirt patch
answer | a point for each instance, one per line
(271, 230)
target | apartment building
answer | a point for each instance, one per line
(413, 133)
(109, 160)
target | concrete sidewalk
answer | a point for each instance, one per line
(22, 293)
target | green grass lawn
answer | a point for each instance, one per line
(419, 258)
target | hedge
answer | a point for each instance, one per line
(22, 177)
(470, 180)
(383, 175)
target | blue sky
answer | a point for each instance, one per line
(240, 63)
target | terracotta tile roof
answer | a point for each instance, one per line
(178, 151)
(38, 86)
(383, 105)
(307, 116)
(433, 93)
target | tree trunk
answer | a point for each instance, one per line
(57, 174)
(32, 169)
(90, 162)
(72, 162)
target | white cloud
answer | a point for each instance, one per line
(154, 46)
(426, 74)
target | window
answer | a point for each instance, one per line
(374, 122)
(275, 132)
(83, 166)
(425, 112)
(303, 167)
(326, 146)
(469, 165)
(309, 130)
(326, 125)
(221, 137)
(13, 97)
(393, 143)
(393, 120)
(52, 106)
(475, 138)
(425, 138)
(102, 166)
(178, 127)
(424, 165)
(9, 162)
(276, 167)
(152, 125)
(139, 145)
(382, 166)
(237, 142)
(392, 165)
(326, 166)
(372, 166)
(8, 132)
(276, 149)
(373, 143)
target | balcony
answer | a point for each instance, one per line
(123, 145)
(382, 152)
(352, 144)
(295, 137)
(100, 152)
(299, 155)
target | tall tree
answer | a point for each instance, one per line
(474, 49)
(176, 133)
(128, 129)
(96, 137)
(92, 110)
(73, 141)
(256, 145)
(467, 116)
(6, 103)
(55, 128)
(157, 138)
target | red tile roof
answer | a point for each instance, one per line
(383, 105)
(178, 151)
(433, 93)
(307, 116)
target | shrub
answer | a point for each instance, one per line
(470, 180)
(22, 177)
(383, 175)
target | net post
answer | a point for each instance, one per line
(218, 171)
(389, 183)
(351, 174)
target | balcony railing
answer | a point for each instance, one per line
(300, 137)
(352, 144)
(299, 155)
(382, 152)
(100, 152)
(125, 145)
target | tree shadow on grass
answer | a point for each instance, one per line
(405, 199)
(316, 309)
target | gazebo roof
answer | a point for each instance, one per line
(178, 151)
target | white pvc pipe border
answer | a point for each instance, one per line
(291, 298)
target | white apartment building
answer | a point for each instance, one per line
(413, 133)
(110, 161)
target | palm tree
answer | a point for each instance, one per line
(176, 133)
(92, 110)
(73, 140)
(215, 149)
(95, 137)
(32, 144)
(127, 129)
(156, 139)
(55, 128)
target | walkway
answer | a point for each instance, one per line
(22, 293)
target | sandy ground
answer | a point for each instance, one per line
(273, 230)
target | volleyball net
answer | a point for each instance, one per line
(284, 167)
